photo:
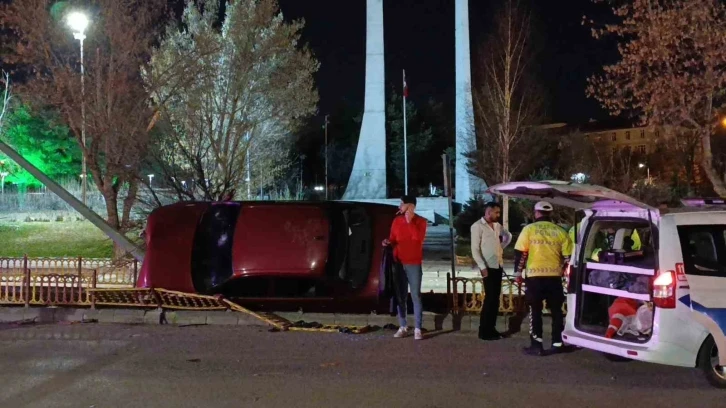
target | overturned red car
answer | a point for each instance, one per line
(271, 254)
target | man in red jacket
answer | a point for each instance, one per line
(407, 237)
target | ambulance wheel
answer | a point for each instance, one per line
(708, 362)
(615, 358)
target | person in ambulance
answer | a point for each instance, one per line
(542, 249)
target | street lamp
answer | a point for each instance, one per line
(78, 22)
(249, 168)
(640, 166)
(151, 177)
(327, 187)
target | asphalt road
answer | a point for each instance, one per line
(94, 365)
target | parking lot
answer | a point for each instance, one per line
(96, 365)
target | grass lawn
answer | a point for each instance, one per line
(54, 239)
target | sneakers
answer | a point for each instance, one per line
(490, 335)
(535, 348)
(403, 332)
(559, 348)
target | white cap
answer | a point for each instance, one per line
(543, 206)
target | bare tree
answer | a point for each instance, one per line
(118, 114)
(6, 94)
(252, 85)
(672, 69)
(508, 102)
(601, 163)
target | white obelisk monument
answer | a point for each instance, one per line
(368, 178)
(465, 184)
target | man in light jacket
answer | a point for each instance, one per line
(488, 240)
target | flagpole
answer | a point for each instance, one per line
(405, 142)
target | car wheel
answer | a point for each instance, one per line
(615, 358)
(708, 362)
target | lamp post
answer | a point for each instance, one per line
(151, 177)
(302, 160)
(327, 186)
(640, 166)
(78, 22)
(249, 168)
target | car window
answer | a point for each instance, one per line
(703, 249)
(619, 241)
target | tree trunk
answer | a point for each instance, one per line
(113, 220)
(707, 162)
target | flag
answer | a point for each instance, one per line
(405, 85)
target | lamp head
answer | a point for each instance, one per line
(77, 21)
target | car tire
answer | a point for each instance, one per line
(615, 358)
(708, 363)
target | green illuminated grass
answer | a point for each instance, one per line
(53, 239)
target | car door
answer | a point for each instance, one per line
(568, 194)
(703, 244)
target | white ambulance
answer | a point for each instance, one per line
(677, 271)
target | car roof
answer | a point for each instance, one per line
(693, 210)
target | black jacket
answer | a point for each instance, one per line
(393, 283)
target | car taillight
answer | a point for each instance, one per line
(664, 290)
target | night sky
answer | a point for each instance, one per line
(419, 36)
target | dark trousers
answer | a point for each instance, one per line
(490, 308)
(550, 290)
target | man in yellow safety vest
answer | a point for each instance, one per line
(543, 249)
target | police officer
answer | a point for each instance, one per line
(542, 249)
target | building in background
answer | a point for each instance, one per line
(641, 140)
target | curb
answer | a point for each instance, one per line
(431, 321)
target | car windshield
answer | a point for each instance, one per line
(212, 250)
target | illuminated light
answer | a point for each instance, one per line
(664, 279)
(579, 178)
(77, 21)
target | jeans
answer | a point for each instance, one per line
(490, 308)
(549, 289)
(414, 273)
